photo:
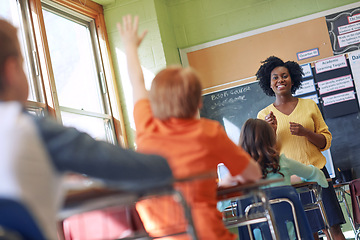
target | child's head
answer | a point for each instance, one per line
(175, 92)
(264, 72)
(258, 139)
(13, 83)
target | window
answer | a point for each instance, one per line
(77, 72)
(68, 65)
(11, 11)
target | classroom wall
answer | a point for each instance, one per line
(152, 54)
(174, 24)
(167, 32)
(200, 21)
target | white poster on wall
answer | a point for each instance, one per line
(354, 59)
(330, 64)
(307, 86)
(335, 84)
(313, 97)
(306, 70)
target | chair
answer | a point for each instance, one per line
(228, 194)
(341, 192)
(287, 209)
(354, 186)
(313, 191)
(6, 234)
(15, 217)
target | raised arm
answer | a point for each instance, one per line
(131, 39)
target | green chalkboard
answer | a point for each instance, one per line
(233, 106)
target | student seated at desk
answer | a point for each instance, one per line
(35, 152)
(167, 123)
(257, 137)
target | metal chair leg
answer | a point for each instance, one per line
(322, 209)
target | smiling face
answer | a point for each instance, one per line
(280, 81)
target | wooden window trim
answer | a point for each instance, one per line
(95, 11)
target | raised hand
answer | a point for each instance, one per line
(131, 40)
(129, 31)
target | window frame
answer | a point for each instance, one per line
(42, 62)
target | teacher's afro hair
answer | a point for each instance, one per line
(264, 72)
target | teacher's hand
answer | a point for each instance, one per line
(271, 119)
(297, 129)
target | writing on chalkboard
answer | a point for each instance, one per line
(228, 96)
(233, 106)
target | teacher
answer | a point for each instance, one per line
(301, 131)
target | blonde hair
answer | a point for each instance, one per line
(9, 45)
(175, 92)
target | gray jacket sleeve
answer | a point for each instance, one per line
(71, 150)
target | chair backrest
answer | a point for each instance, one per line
(282, 212)
(354, 186)
(16, 217)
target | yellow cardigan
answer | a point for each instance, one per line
(299, 148)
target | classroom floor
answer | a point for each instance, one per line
(349, 235)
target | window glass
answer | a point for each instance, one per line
(95, 127)
(10, 11)
(73, 63)
(71, 86)
(5, 10)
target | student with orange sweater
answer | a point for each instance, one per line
(167, 124)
